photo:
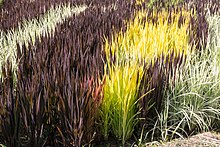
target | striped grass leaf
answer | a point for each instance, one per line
(192, 104)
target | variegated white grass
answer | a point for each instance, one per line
(27, 31)
(193, 104)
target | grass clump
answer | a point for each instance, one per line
(161, 44)
(191, 105)
(120, 102)
(129, 55)
(119, 107)
(144, 41)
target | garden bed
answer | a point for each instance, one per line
(110, 73)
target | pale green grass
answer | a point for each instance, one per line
(27, 31)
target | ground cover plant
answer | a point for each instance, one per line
(129, 71)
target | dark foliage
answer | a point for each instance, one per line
(198, 28)
(9, 110)
(155, 78)
(58, 88)
(14, 12)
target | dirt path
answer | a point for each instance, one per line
(207, 139)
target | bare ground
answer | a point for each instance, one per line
(207, 139)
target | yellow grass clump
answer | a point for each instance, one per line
(127, 55)
(147, 40)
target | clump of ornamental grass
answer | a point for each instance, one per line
(192, 104)
(199, 25)
(160, 43)
(119, 107)
(146, 40)
(129, 55)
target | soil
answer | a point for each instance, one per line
(207, 139)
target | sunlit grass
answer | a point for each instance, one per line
(119, 107)
(145, 41)
(164, 3)
(127, 56)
